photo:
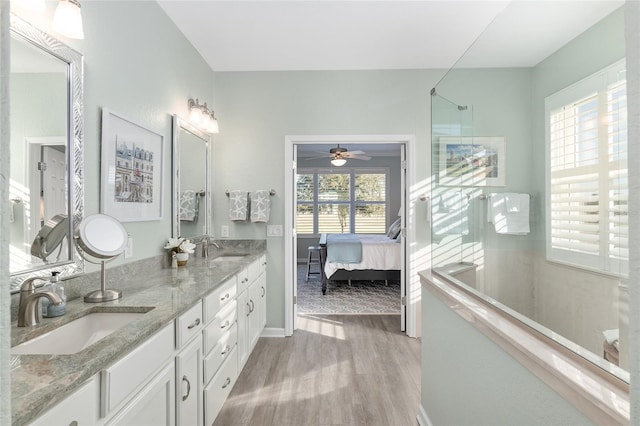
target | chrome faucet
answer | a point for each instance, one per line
(28, 312)
(205, 247)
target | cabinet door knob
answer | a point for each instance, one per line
(263, 291)
(225, 325)
(249, 307)
(227, 382)
(252, 305)
(194, 324)
(226, 296)
(184, 379)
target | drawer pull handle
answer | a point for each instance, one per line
(225, 325)
(227, 382)
(263, 291)
(226, 350)
(194, 324)
(226, 296)
(252, 306)
(184, 379)
(249, 307)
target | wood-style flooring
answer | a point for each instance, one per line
(334, 370)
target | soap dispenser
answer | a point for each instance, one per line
(58, 288)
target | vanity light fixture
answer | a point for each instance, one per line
(203, 117)
(67, 19)
(33, 5)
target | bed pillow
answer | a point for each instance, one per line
(394, 229)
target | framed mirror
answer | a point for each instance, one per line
(191, 196)
(46, 184)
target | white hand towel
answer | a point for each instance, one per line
(238, 205)
(189, 206)
(509, 213)
(450, 214)
(260, 206)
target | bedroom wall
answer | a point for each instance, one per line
(257, 110)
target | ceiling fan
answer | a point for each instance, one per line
(339, 155)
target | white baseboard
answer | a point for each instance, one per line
(272, 332)
(423, 418)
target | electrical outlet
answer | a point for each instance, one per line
(274, 230)
(224, 231)
(128, 250)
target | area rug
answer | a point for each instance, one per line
(361, 297)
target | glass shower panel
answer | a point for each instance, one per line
(451, 212)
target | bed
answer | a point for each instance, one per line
(380, 257)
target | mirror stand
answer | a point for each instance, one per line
(102, 295)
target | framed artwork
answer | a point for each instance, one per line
(131, 170)
(472, 161)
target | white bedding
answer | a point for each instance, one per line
(378, 252)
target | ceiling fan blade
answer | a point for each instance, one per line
(357, 157)
(358, 152)
(316, 158)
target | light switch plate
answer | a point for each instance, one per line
(224, 231)
(274, 230)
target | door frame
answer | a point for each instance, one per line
(291, 141)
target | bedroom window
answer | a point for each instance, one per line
(587, 219)
(350, 201)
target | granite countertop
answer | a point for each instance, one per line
(39, 382)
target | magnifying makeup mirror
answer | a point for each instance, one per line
(50, 237)
(100, 239)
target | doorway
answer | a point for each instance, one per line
(296, 145)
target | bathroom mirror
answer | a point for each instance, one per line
(191, 205)
(46, 117)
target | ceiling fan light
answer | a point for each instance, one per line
(67, 19)
(338, 162)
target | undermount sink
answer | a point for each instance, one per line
(229, 258)
(76, 335)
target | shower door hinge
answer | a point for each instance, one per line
(403, 164)
(42, 166)
(403, 301)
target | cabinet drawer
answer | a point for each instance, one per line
(217, 391)
(220, 352)
(81, 407)
(188, 325)
(221, 324)
(127, 375)
(219, 298)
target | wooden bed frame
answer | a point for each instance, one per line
(355, 275)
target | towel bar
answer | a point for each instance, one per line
(486, 197)
(271, 192)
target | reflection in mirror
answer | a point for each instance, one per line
(46, 154)
(565, 274)
(190, 181)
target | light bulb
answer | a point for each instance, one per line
(67, 19)
(213, 125)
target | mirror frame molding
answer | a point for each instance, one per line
(22, 30)
(178, 125)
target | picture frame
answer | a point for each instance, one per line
(472, 161)
(131, 178)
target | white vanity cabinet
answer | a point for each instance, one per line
(80, 408)
(251, 309)
(189, 328)
(140, 388)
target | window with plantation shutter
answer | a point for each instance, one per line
(587, 173)
(342, 201)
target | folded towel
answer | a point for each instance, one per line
(449, 214)
(260, 206)
(509, 213)
(612, 336)
(189, 203)
(238, 205)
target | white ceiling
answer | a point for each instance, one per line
(273, 35)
